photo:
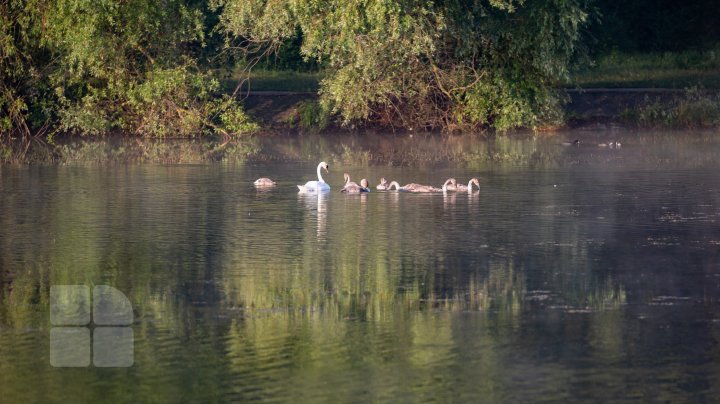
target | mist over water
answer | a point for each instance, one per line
(576, 273)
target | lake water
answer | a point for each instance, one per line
(576, 273)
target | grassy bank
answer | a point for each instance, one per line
(271, 80)
(678, 70)
(652, 70)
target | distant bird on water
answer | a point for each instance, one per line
(413, 187)
(452, 185)
(469, 187)
(353, 188)
(264, 183)
(346, 176)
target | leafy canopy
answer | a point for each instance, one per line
(450, 64)
(90, 66)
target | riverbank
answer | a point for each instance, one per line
(594, 116)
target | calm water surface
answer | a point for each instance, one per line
(576, 273)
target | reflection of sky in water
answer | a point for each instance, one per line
(577, 272)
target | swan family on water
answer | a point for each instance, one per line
(350, 187)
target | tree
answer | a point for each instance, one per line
(422, 64)
(91, 66)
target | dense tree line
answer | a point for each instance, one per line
(653, 25)
(146, 66)
(92, 66)
(451, 64)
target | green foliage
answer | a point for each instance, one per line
(21, 90)
(704, 60)
(151, 67)
(234, 119)
(698, 110)
(169, 102)
(312, 115)
(84, 116)
(88, 67)
(424, 64)
(288, 57)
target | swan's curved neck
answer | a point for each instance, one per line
(470, 185)
(320, 178)
(394, 184)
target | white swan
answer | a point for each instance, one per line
(316, 186)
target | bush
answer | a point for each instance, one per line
(90, 67)
(312, 115)
(695, 109)
(233, 119)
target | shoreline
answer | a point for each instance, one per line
(359, 149)
(277, 113)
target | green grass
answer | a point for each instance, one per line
(615, 70)
(272, 80)
(653, 70)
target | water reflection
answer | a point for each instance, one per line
(474, 152)
(316, 205)
(550, 283)
(449, 199)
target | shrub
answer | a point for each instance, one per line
(694, 109)
(312, 115)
